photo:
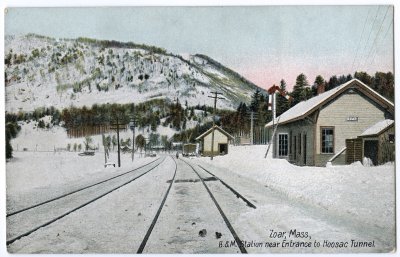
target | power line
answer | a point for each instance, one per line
(376, 50)
(359, 41)
(391, 23)
(369, 36)
(376, 37)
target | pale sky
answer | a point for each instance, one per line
(263, 43)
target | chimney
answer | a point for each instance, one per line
(320, 88)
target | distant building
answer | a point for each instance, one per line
(314, 132)
(190, 149)
(221, 141)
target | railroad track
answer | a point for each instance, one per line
(227, 222)
(77, 190)
(221, 212)
(153, 223)
(236, 193)
(89, 194)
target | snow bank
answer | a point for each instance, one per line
(366, 193)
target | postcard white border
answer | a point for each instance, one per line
(92, 3)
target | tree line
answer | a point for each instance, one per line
(151, 114)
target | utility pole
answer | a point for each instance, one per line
(116, 126)
(132, 126)
(253, 116)
(119, 149)
(251, 127)
(213, 128)
(105, 148)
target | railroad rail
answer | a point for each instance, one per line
(224, 217)
(76, 191)
(15, 238)
(153, 223)
(238, 195)
(227, 222)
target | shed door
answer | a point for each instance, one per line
(223, 148)
(371, 150)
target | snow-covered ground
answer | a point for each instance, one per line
(338, 203)
(353, 193)
(32, 177)
(116, 223)
(354, 188)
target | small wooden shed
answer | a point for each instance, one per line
(375, 143)
(189, 149)
(221, 141)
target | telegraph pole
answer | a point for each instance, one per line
(213, 128)
(119, 149)
(105, 148)
(253, 116)
(251, 127)
(117, 127)
(132, 126)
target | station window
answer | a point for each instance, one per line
(327, 139)
(283, 145)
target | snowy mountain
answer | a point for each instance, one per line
(43, 72)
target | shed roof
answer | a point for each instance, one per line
(377, 128)
(304, 108)
(211, 129)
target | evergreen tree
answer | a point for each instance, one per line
(153, 124)
(332, 83)
(140, 142)
(300, 93)
(319, 81)
(282, 104)
(12, 130)
(383, 83)
(255, 100)
(363, 77)
(343, 79)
